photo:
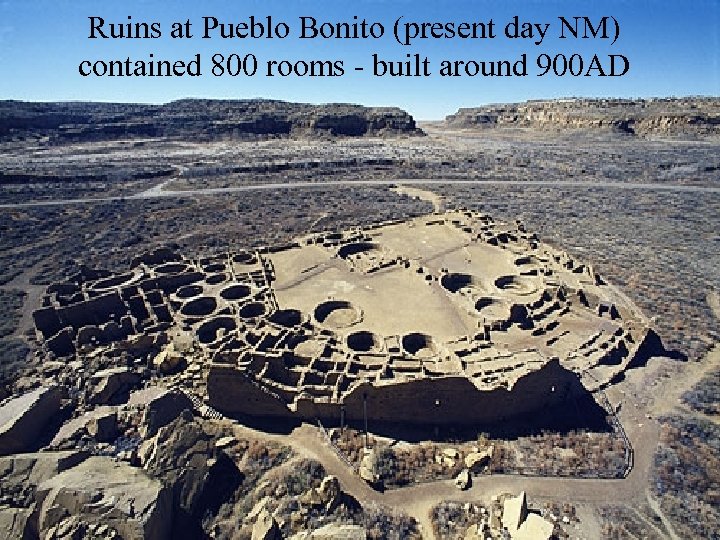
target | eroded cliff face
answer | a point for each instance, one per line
(672, 116)
(198, 119)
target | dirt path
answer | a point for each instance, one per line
(155, 192)
(418, 500)
(433, 198)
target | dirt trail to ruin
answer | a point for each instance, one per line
(154, 192)
(433, 198)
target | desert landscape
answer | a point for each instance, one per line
(259, 319)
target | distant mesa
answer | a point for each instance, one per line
(667, 116)
(197, 119)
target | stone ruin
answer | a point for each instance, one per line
(449, 318)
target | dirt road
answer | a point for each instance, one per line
(156, 192)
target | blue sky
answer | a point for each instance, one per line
(673, 47)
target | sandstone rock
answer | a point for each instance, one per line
(168, 360)
(330, 491)
(111, 383)
(311, 498)
(21, 474)
(534, 528)
(259, 507)
(462, 480)
(100, 423)
(475, 460)
(162, 406)
(368, 470)
(103, 426)
(23, 418)
(198, 120)
(266, 528)
(15, 523)
(474, 532)
(103, 491)
(335, 531)
(183, 455)
(514, 512)
(678, 116)
(224, 442)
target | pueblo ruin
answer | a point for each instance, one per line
(449, 318)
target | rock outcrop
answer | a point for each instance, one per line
(160, 406)
(672, 116)
(197, 119)
(200, 476)
(100, 423)
(23, 418)
(103, 492)
(22, 473)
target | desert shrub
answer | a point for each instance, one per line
(705, 395)
(686, 475)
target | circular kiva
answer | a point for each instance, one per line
(171, 268)
(337, 314)
(245, 258)
(493, 309)
(214, 267)
(235, 292)
(356, 248)
(419, 345)
(189, 291)
(199, 307)
(252, 310)
(363, 341)
(455, 282)
(286, 317)
(527, 260)
(216, 279)
(519, 285)
(210, 330)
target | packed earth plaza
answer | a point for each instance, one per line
(266, 320)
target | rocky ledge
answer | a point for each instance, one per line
(668, 116)
(198, 119)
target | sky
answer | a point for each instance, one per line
(673, 47)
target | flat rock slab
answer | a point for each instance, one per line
(23, 418)
(102, 490)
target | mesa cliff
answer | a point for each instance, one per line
(199, 119)
(667, 116)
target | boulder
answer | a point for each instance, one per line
(514, 512)
(475, 460)
(103, 426)
(462, 480)
(15, 523)
(100, 423)
(534, 528)
(475, 532)
(368, 470)
(449, 457)
(259, 507)
(110, 384)
(183, 455)
(225, 442)
(162, 406)
(168, 360)
(103, 491)
(22, 473)
(266, 528)
(22, 419)
(330, 491)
